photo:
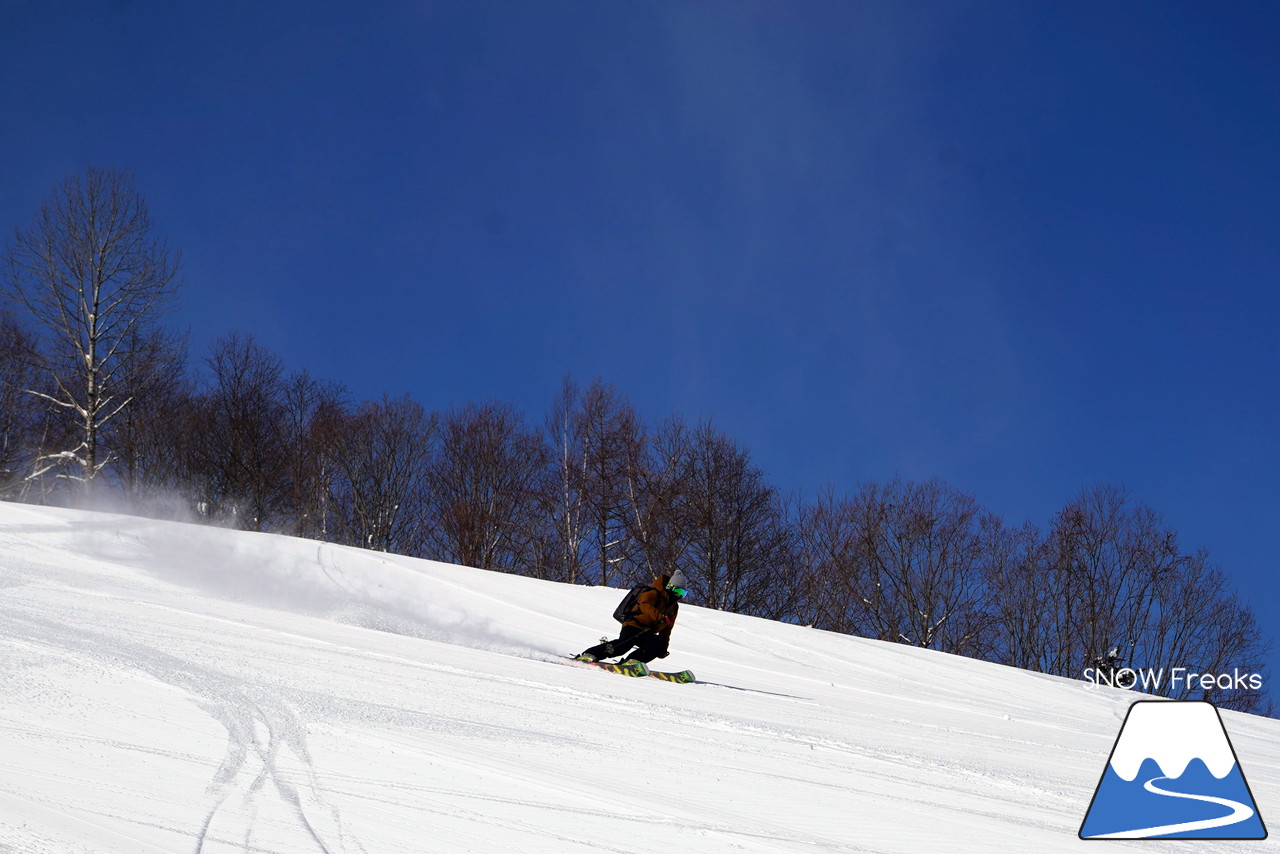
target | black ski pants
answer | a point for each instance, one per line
(647, 645)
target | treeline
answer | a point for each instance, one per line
(95, 398)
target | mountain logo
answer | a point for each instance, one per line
(1173, 774)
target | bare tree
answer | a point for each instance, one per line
(1201, 625)
(1110, 573)
(564, 547)
(485, 482)
(93, 277)
(920, 565)
(734, 525)
(1109, 553)
(610, 435)
(1021, 595)
(19, 420)
(828, 555)
(313, 412)
(145, 438)
(236, 444)
(658, 469)
(383, 457)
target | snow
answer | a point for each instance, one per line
(1172, 735)
(172, 688)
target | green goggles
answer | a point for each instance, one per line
(679, 591)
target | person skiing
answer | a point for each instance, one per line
(1107, 670)
(648, 624)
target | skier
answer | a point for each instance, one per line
(647, 628)
(1107, 669)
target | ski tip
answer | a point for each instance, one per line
(684, 677)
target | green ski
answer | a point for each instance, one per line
(636, 669)
(683, 677)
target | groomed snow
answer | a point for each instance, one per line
(173, 688)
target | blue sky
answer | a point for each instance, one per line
(1024, 247)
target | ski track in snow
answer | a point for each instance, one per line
(261, 729)
(223, 706)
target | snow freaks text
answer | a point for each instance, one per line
(1178, 679)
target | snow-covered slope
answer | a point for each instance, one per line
(184, 689)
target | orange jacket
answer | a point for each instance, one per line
(656, 609)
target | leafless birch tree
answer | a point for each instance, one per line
(93, 277)
(610, 434)
(563, 554)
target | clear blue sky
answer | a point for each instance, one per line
(1024, 247)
